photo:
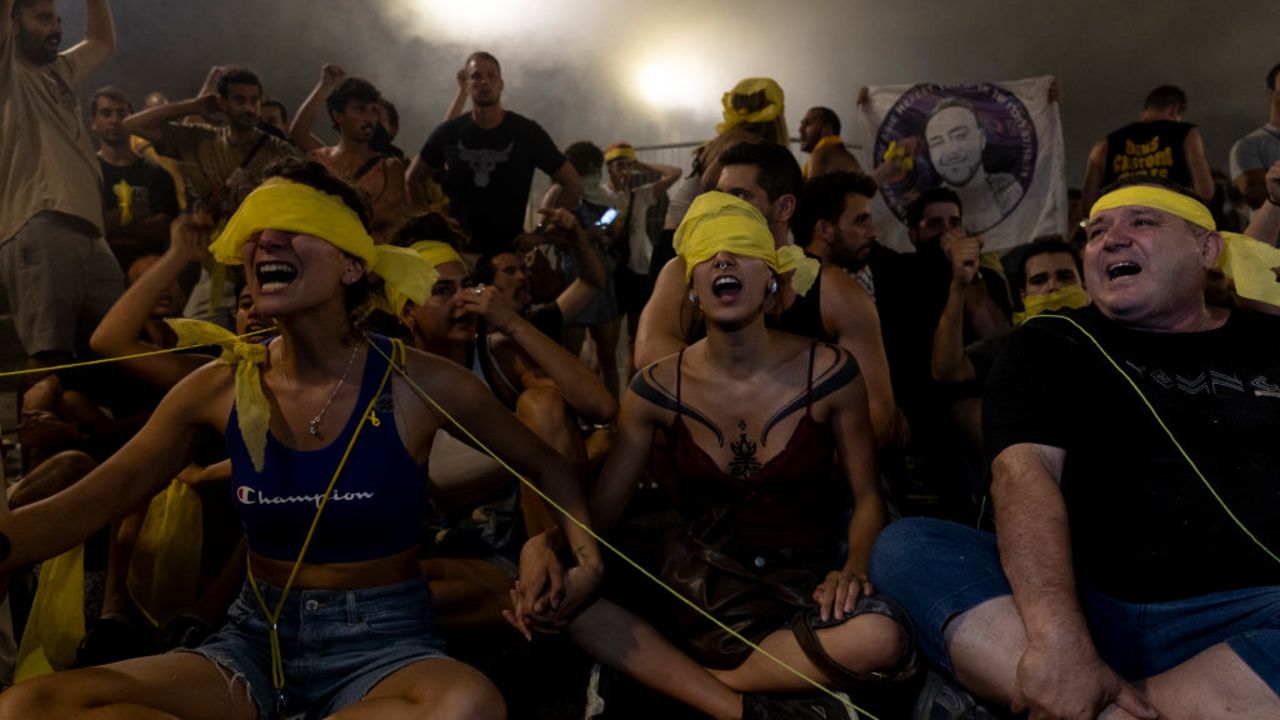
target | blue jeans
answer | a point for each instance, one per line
(938, 569)
(337, 644)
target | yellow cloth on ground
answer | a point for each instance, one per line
(252, 407)
(719, 221)
(735, 116)
(294, 207)
(56, 623)
(1253, 265)
(165, 567)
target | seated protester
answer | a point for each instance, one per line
(353, 109)
(478, 497)
(509, 275)
(1050, 279)
(837, 310)
(138, 196)
(1134, 572)
(135, 325)
(336, 612)
(774, 514)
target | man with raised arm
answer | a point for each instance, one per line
(214, 158)
(353, 106)
(488, 157)
(55, 267)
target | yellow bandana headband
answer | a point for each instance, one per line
(282, 204)
(734, 117)
(1248, 262)
(436, 253)
(619, 151)
(718, 222)
(252, 408)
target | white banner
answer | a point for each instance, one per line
(997, 145)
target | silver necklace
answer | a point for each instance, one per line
(313, 427)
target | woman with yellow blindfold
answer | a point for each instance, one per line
(755, 420)
(329, 449)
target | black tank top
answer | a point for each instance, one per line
(1148, 149)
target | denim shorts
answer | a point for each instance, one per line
(938, 569)
(337, 644)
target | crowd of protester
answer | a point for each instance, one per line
(368, 416)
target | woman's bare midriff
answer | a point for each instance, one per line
(339, 576)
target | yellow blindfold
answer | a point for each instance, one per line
(294, 207)
(1246, 261)
(719, 222)
(436, 253)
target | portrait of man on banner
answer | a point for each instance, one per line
(976, 139)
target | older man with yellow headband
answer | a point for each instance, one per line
(1135, 572)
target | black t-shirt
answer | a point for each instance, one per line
(1148, 149)
(911, 293)
(1144, 528)
(151, 188)
(488, 173)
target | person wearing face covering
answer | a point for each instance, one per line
(329, 445)
(769, 441)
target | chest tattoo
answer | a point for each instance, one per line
(744, 463)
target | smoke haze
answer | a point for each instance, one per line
(577, 67)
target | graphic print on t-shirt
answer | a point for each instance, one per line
(483, 161)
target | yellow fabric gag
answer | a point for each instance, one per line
(734, 116)
(436, 253)
(719, 221)
(1072, 296)
(252, 407)
(1251, 264)
(619, 151)
(124, 197)
(294, 207)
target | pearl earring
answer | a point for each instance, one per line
(773, 286)
(693, 297)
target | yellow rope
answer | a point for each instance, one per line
(1160, 421)
(273, 616)
(104, 361)
(675, 593)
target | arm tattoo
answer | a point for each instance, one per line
(842, 371)
(647, 386)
